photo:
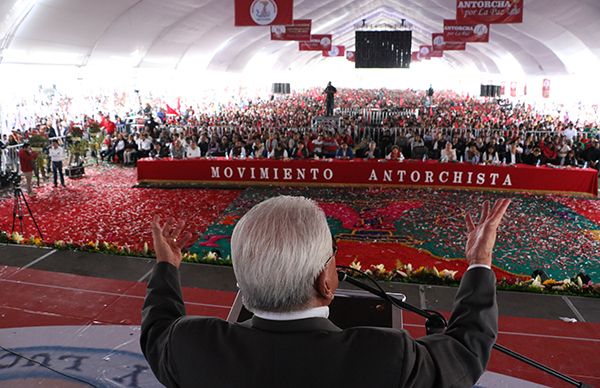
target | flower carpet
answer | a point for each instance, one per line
(104, 207)
(105, 212)
(426, 228)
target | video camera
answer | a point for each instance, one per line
(10, 178)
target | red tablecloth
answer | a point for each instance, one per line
(249, 172)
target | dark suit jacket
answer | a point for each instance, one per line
(209, 352)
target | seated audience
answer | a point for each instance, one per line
(395, 154)
(344, 152)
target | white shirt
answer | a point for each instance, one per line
(56, 154)
(315, 312)
(193, 152)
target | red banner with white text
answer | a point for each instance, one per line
(436, 53)
(489, 11)
(335, 51)
(546, 88)
(316, 43)
(299, 30)
(368, 173)
(463, 32)
(263, 12)
(351, 56)
(438, 43)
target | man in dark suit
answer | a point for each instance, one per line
(330, 92)
(284, 263)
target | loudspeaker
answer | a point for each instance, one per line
(490, 91)
(281, 88)
(350, 308)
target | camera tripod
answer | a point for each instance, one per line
(19, 201)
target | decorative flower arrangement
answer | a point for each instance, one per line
(401, 273)
(93, 127)
(38, 141)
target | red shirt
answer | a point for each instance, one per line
(26, 159)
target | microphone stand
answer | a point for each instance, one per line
(436, 323)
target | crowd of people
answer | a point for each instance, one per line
(448, 127)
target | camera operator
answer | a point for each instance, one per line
(27, 159)
(57, 155)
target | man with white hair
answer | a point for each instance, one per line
(284, 262)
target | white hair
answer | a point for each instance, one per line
(278, 249)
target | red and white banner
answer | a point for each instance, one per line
(493, 12)
(425, 52)
(513, 89)
(299, 30)
(502, 88)
(254, 172)
(335, 51)
(438, 43)
(414, 56)
(463, 32)
(351, 56)
(436, 53)
(546, 88)
(316, 43)
(263, 12)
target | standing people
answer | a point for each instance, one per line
(330, 91)
(57, 155)
(27, 158)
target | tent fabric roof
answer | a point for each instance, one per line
(556, 38)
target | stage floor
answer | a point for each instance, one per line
(78, 313)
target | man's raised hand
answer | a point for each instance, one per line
(168, 240)
(482, 237)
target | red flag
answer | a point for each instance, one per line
(263, 12)
(316, 43)
(351, 56)
(546, 88)
(299, 30)
(171, 111)
(493, 12)
(438, 43)
(462, 32)
(424, 52)
(336, 51)
(513, 89)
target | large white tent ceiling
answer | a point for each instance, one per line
(557, 37)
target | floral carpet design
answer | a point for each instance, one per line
(104, 206)
(426, 228)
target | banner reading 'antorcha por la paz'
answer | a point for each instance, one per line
(299, 30)
(489, 11)
(263, 12)
(316, 43)
(455, 31)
